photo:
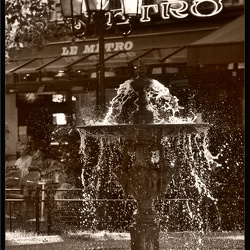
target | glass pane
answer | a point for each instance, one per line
(154, 56)
(95, 5)
(24, 99)
(28, 77)
(67, 10)
(132, 7)
(122, 59)
(59, 119)
(178, 57)
(110, 94)
(89, 62)
(32, 66)
(61, 63)
(13, 65)
(84, 104)
(58, 98)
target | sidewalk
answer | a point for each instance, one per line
(173, 241)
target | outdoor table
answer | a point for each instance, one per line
(42, 183)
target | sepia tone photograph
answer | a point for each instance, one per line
(124, 124)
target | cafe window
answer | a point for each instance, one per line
(110, 94)
(32, 98)
(8, 78)
(43, 98)
(27, 77)
(58, 98)
(84, 105)
(59, 119)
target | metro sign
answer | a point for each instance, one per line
(94, 48)
(166, 9)
(175, 8)
(178, 9)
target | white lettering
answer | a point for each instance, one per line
(217, 7)
(97, 48)
(165, 10)
(145, 12)
(94, 48)
(65, 51)
(118, 14)
(128, 45)
(109, 20)
(177, 8)
(69, 52)
(73, 50)
(119, 46)
(109, 47)
(89, 49)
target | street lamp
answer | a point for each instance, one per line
(83, 14)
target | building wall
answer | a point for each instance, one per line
(11, 136)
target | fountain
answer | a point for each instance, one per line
(151, 148)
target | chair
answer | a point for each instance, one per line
(9, 169)
(13, 179)
(26, 185)
(29, 180)
(62, 193)
(55, 177)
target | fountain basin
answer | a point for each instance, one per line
(153, 132)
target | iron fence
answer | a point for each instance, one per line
(42, 212)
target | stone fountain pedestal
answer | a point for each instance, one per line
(145, 236)
(144, 182)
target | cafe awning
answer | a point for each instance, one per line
(85, 53)
(153, 56)
(31, 66)
(16, 64)
(223, 46)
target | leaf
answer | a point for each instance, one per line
(31, 16)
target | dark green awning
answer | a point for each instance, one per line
(223, 46)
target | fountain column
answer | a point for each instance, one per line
(143, 186)
(142, 180)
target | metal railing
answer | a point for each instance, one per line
(44, 213)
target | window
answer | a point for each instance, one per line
(59, 119)
(84, 104)
(58, 98)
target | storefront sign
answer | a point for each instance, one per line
(175, 8)
(166, 9)
(180, 9)
(94, 48)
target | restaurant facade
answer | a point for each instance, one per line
(200, 58)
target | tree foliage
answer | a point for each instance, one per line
(28, 25)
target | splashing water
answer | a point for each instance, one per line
(164, 106)
(190, 187)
